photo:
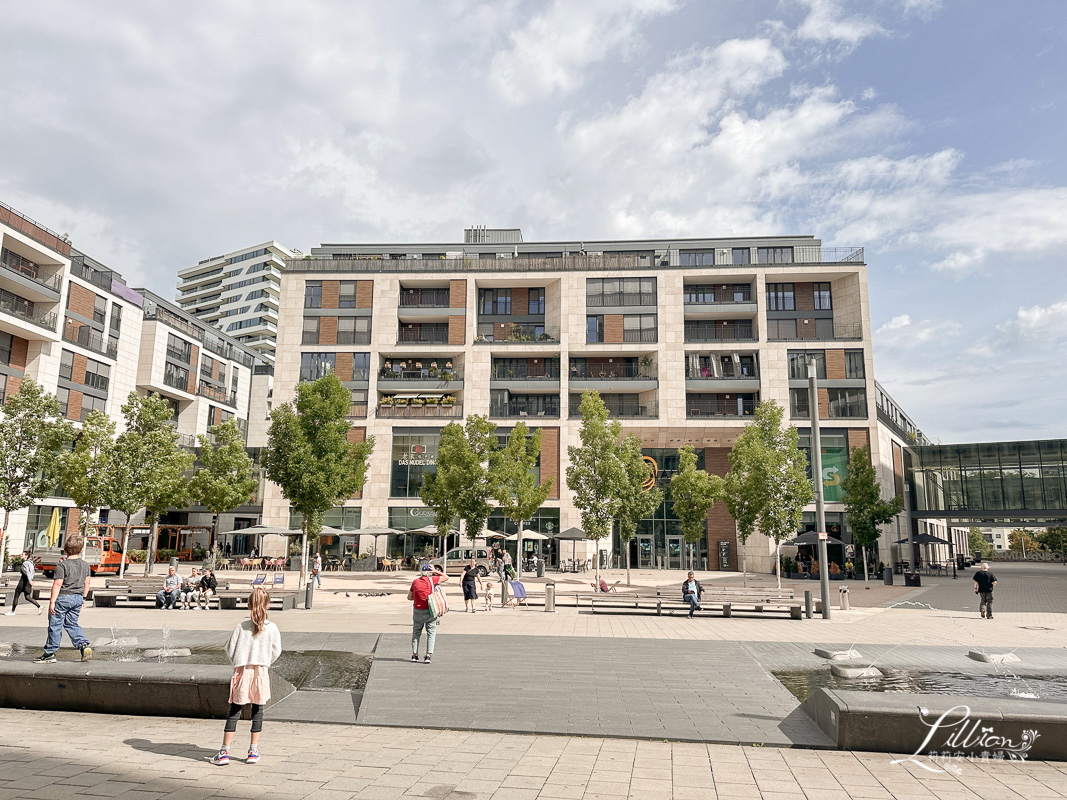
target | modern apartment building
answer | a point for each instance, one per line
(682, 338)
(238, 293)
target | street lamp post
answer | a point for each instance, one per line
(816, 477)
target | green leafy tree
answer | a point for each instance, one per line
(865, 510)
(85, 471)
(976, 543)
(517, 490)
(462, 486)
(1022, 540)
(1054, 539)
(767, 486)
(149, 467)
(32, 433)
(224, 480)
(310, 456)
(596, 473)
(693, 493)
(637, 499)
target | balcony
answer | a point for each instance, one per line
(614, 376)
(184, 355)
(624, 410)
(847, 332)
(411, 408)
(412, 376)
(517, 333)
(521, 409)
(424, 298)
(737, 331)
(24, 310)
(357, 411)
(25, 268)
(97, 276)
(422, 334)
(176, 379)
(620, 299)
(526, 372)
(90, 339)
(734, 407)
(707, 295)
(217, 394)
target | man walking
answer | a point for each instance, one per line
(984, 581)
(692, 591)
(69, 588)
(25, 587)
(421, 616)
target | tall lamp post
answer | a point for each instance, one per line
(816, 477)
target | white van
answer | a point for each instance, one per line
(459, 557)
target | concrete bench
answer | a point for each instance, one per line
(280, 599)
(108, 598)
(725, 605)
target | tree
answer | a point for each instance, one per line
(596, 473)
(638, 499)
(310, 457)
(85, 471)
(517, 491)
(767, 486)
(865, 509)
(32, 433)
(693, 493)
(461, 486)
(224, 480)
(148, 467)
(976, 543)
(1054, 539)
(1022, 540)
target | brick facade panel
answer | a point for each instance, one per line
(805, 329)
(457, 327)
(364, 294)
(328, 330)
(824, 404)
(81, 301)
(194, 360)
(858, 437)
(13, 385)
(77, 372)
(331, 290)
(343, 366)
(19, 352)
(835, 365)
(520, 300)
(550, 459)
(804, 296)
(613, 328)
(74, 406)
(721, 526)
(457, 294)
(898, 469)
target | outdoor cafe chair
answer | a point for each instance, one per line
(279, 580)
(261, 578)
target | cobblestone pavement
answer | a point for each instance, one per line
(61, 755)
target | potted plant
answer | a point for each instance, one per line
(418, 401)
(835, 572)
(432, 401)
(448, 400)
(400, 401)
(387, 400)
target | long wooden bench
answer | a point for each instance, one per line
(723, 599)
(143, 591)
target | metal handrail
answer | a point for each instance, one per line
(722, 332)
(549, 372)
(610, 372)
(425, 298)
(416, 374)
(28, 269)
(521, 333)
(513, 410)
(623, 410)
(711, 408)
(86, 337)
(612, 299)
(447, 410)
(422, 335)
(218, 395)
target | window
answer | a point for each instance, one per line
(601, 292)
(697, 259)
(360, 366)
(413, 457)
(594, 329)
(774, 255)
(175, 376)
(310, 333)
(207, 367)
(847, 403)
(246, 256)
(537, 301)
(90, 404)
(798, 403)
(780, 297)
(347, 296)
(353, 330)
(822, 296)
(494, 301)
(784, 329)
(854, 364)
(6, 343)
(63, 395)
(359, 397)
(97, 374)
(116, 317)
(315, 365)
(3, 388)
(639, 328)
(824, 329)
(740, 255)
(222, 373)
(233, 381)
(100, 309)
(698, 295)
(179, 349)
(313, 294)
(798, 364)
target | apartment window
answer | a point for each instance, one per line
(91, 404)
(774, 255)
(824, 328)
(310, 333)
(222, 373)
(313, 294)
(698, 295)
(316, 365)
(179, 349)
(780, 297)
(601, 292)
(360, 366)
(100, 309)
(494, 301)
(113, 342)
(537, 301)
(246, 256)
(97, 374)
(594, 328)
(207, 367)
(3, 388)
(639, 328)
(740, 255)
(847, 403)
(854, 364)
(116, 318)
(353, 330)
(175, 376)
(63, 395)
(822, 297)
(233, 380)
(782, 329)
(66, 365)
(798, 364)
(697, 258)
(347, 296)
(6, 343)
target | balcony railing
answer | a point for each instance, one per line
(525, 372)
(644, 336)
(847, 331)
(357, 411)
(91, 340)
(719, 408)
(514, 410)
(27, 269)
(711, 332)
(353, 337)
(425, 298)
(179, 354)
(176, 381)
(612, 299)
(622, 410)
(97, 276)
(395, 410)
(422, 335)
(217, 394)
(711, 296)
(730, 374)
(24, 309)
(431, 374)
(520, 333)
(611, 372)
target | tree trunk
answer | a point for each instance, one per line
(214, 529)
(83, 523)
(153, 546)
(778, 560)
(125, 549)
(302, 577)
(3, 540)
(866, 577)
(744, 566)
(627, 546)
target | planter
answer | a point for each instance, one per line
(369, 564)
(837, 577)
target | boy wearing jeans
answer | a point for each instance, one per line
(69, 588)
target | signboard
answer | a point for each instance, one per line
(823, 536)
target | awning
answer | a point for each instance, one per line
(572, 534)
(812, 538)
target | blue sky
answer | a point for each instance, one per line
(931, 133)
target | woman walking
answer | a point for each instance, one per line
(470, 590)
(25, 587)
(254, 645)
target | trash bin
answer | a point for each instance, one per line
(887, 576)
(843, 592)
(961, 561)
(550, 597)
(541, 568)
(174, 562)
(309, 593)
(912, 579)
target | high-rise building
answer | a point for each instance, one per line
(238, 293)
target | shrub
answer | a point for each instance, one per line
(136, 556)
(834, 568)
(199, 553)
(163, 556)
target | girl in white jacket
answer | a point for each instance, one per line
(254, 645)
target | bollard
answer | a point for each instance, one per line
(843, 591)
(541, 568)
(309, 593)
(807, 604)
(550, 597)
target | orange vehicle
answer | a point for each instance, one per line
(103, 554)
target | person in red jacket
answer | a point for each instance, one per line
(421, 616)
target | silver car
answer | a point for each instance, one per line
(459, 557)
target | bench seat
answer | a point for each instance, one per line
(726, 606)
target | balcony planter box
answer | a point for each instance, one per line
(448, 401)
(431, 401)
(402, 401)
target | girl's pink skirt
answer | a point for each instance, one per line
(250, 684)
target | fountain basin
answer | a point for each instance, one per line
(993, 658)
(853, 671)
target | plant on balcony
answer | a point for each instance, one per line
(544, 337)
(418, 401)
(400, 401)
(432, 401)
(480, 338)
(446, 376)
(387, 400)
(448, 400)
(646, 365)
(391, 375)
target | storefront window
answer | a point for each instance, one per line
(37, 526)
(834, 460)
(414, 455)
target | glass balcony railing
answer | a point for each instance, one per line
(27, 269)
(91, 339)
(525, 372)
(425, 298)
(408, 409)
(720, 408)
(517, 333)
(519, 409)
(720, 332)
(621, 410)
(611, 372)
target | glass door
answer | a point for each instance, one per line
(675, 552)
(644, 553)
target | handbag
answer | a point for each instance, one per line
(437, 602)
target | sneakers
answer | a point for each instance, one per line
(426, 660)
(253, 756)
(221, 758)
(40, 610)
(11, 613)
(87, 653)
(45, 658)
(414, 658)
(982, 612)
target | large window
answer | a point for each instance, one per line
(179, 349)
(353, 330)
(175, 376)
(66, 365)
(360, 366)
(782, 329)
(774, 255)
(6, 343)
(822, 297)
(594, 328)
(607, 292)
(310, 331)
(63, 395)
(798, 364)
(313, 294)
(780, 297)
(100, 309)
(536, 301)
(639, 328)
(316, 365)
(847, 403)
(91, 404)
(414, 455)
(97, 374)
(741, 255)
(834, 452)
(494, 302)
(854, 364)
(705, 258)
(340, 517)
(347, 296)
(116, 318)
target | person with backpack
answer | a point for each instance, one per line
(25, 587)
(421, 615)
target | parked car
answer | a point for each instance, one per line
(459, 557)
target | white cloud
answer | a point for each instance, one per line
(826, 23)
(900, 333)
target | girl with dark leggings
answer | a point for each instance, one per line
(254, 645)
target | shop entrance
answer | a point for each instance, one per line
(644, 553)
(675, 552)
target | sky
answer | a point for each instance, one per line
(929, 132)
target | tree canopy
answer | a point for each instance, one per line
(638, 499)
(516, 488)
(224, 480)
(865, 510)
(86, 470)
(693, 493)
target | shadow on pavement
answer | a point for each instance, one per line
(193, 752)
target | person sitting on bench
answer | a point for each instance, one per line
(602, 587)
(168, 595)
(208, 587)
(692, 591)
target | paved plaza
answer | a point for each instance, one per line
(522, 703)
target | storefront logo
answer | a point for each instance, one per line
(653, 473)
